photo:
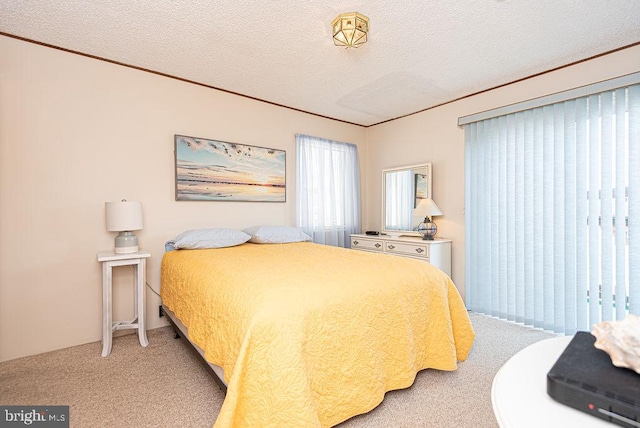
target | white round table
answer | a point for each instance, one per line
(519, 391)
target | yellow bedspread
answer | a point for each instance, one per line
(310, 335)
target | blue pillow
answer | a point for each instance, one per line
(207, 238)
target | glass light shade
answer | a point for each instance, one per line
(350, 30)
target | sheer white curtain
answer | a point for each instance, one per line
(399, 200)
(553, 212)
(327, 189)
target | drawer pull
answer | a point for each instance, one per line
(378, 245)
(391, 247)
(419, 250)
(355, 242)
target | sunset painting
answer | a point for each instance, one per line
(211, 170)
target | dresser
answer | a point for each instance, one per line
(436, 252)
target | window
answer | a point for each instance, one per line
(327, 190)
(553, 211)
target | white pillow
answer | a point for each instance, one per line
(207, 238)
(276, 234)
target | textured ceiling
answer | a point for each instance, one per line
(419, 54)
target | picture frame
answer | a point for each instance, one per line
(420, 189)
(214, 170)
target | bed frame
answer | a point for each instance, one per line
(181, 331)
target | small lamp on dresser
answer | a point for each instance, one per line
(427, 209)
(124, 217)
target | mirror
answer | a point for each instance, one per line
(402, 190)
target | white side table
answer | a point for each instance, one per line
(109, 260)
(519, 391)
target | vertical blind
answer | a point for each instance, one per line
(553, 212)
(327, 189)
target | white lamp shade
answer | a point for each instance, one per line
(123, 216)
(427, 208)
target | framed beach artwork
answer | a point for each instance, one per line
(212, 170)
(420, 189)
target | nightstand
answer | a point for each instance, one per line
(109, 260)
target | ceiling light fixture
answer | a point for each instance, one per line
(350, 30)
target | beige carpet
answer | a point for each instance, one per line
(164, 385)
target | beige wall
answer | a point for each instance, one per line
(76, 132)
(434, 136)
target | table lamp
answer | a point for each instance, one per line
(428, 209)
(124, 217)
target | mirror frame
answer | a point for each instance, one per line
(429, 173)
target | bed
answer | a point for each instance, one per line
(303, 334)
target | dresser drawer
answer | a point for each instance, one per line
(358, 243)
(417, 250)
(436, 252)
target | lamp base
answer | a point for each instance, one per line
(427, 229)
(126, 243)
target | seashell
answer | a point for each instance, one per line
(621, 340)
